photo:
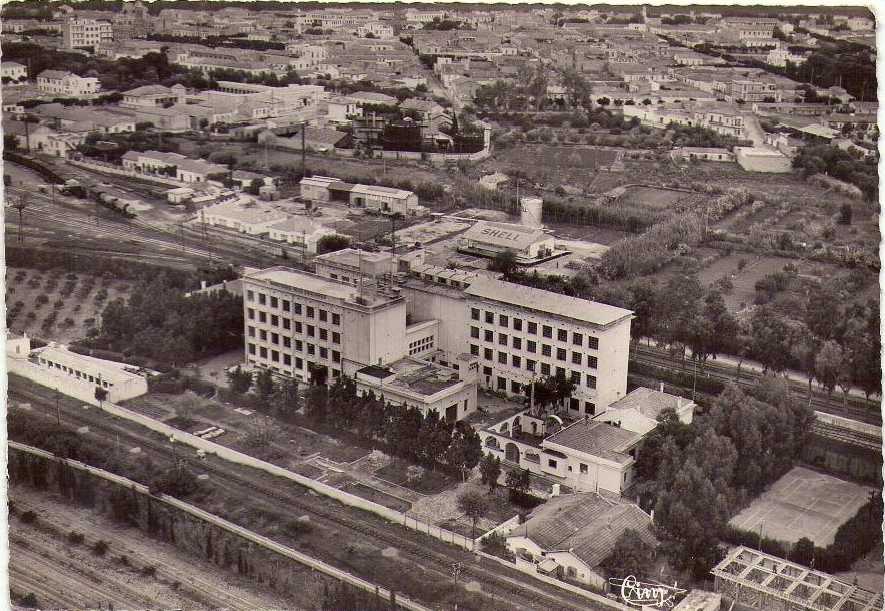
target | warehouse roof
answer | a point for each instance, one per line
(510, 235)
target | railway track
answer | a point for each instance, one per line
(856, 409)
(60, 214)
(506, 588)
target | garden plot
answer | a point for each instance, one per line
(743, 271)
(659, 199)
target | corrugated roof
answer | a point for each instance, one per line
(574, 308)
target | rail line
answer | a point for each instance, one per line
(501, 584)
(854, 409)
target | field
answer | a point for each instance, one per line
(803, 503)
(744, 280)
(136, 572)
(552, 165)
(658, 199)
(76, 300)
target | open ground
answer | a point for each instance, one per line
(803, 503)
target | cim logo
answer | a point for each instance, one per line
(654, 595)
(499, 233)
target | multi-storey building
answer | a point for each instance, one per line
(521, 333)
(79, 33)
(311, 328)
(66, 83)
(13, 71)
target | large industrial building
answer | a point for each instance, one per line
(321, 325)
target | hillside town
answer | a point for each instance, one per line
(438, 306)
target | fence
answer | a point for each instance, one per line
(230, 527)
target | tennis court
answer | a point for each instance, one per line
(803, 503)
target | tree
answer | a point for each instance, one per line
(101, 394)
(828, 365)
(465, 449)
(549, 391)
(845, 214)
(518, 482)
(803, 552)
(490, 470)
(474, 505)
(331, 243)
(504, 262)
(631, 555)
(264, 385)
(287, 399)
(240, 381)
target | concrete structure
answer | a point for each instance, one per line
(313, 328)
(82, 33)
(489, 238)
(245, 216)
(570, 536)
(350, 265)
(67, 84)
(521, 333)
(639, 411)
(700, 600)
(748, 579)
(153, 96)
(426, 386)
(691, 153)
(74, 374)
(758, 159)
(382, 200)
(300, 232)
(13, 71)
(173, 165)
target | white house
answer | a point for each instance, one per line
(249, 217)
(569, 537)
(66, 83)
(13, 71)
(301, 232)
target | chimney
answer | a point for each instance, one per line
(678, 403)
(202, 285)
(662, 387)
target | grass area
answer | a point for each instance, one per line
(415, 478)
(72, 302)
(551, 164)
(376, 496)
(656, 199)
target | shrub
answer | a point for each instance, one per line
(299, 526)
(100, 547)
(149, 571)
(29, 600)
(29, 517)
(76, 538)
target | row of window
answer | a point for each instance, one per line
(531, 346)
(311, 331)
(508, 322)
(296, 308)
(78, 374)
(299, 347)
(531, 365)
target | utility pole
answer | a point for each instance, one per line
(57, 408)
(303, 149)
(20, 205)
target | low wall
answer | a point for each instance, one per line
(193, 529)
(346, 498)
(504, 528)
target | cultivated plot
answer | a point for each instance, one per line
(803, 503)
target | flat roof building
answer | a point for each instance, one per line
(313, 328)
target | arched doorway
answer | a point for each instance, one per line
(511, 453)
